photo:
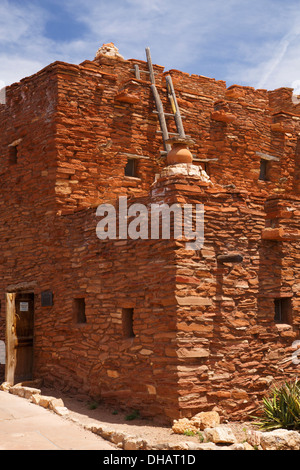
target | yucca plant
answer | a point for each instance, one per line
(281, 409)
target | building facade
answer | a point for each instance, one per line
(146, 323)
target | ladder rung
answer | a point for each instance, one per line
(142, 71)
(170, 133)
(168, 114)
(174, 133)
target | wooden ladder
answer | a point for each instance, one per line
(159, 106)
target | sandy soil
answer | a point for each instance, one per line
(151, 430)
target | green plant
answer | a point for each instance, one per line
(92, 405)
(134, 415)
(281, 409)
(189, 432)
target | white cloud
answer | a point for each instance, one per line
(275, 64)
(17, 22)
(249, 43)
(22, 42)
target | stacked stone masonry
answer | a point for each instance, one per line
(206, 335)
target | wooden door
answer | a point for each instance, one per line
(20, 332)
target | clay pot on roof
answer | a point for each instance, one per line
(180, 152)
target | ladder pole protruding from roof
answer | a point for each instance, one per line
(150, 66)
(175, 107)
(161, 117)
(137, 72)
(158, 103)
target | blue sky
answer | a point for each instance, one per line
(255, 43)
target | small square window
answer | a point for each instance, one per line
(130, 168)
(127, 322)
(283, 310)
(206, 168)
(13, 154)
(79, 310)
(263, 174)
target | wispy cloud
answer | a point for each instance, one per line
(251, 43)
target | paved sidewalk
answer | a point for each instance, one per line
(25, 426)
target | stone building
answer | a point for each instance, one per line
(143, 323)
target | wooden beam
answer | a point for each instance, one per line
(265, 156)
(175, 107)
(133, 155)
(10, 337)
(161, 117)
(137, 72)
(230, 258)
(150, 66)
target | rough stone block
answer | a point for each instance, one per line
(219, 435)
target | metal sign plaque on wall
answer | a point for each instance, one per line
(23, 306)
(47, 298)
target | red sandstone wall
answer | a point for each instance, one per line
(222, 350)
(94, 358)
(97, 129)
(27, 186)
(105, 114)
(230, 350)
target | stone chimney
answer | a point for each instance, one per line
(109, 50)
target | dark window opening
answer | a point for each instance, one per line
(127, 322)
(130, 168)
(206, 168)
(13, 154)
(283, 310)
(263, 174)
(47, 298)
(79, 310)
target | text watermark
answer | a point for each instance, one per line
(157, 221)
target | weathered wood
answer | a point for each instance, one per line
(137, 72)
(22, 286)
(150, 66)
(265, 156)
(230, 258)
(170, 133)
(133, 155)
(175, 107)
(24, 331)
(10, 360)
(170, 114)
(161, 117)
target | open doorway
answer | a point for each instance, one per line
(19, 336)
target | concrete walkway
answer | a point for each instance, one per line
(25, 426)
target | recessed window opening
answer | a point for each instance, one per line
(263, 174)
(206, 168)
(79, 310)
(283, 310)
(13, 154)
(130, 168)
(127, 322)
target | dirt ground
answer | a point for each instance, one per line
(153, 431)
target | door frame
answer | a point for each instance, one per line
(10, 334)
(10, 337)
